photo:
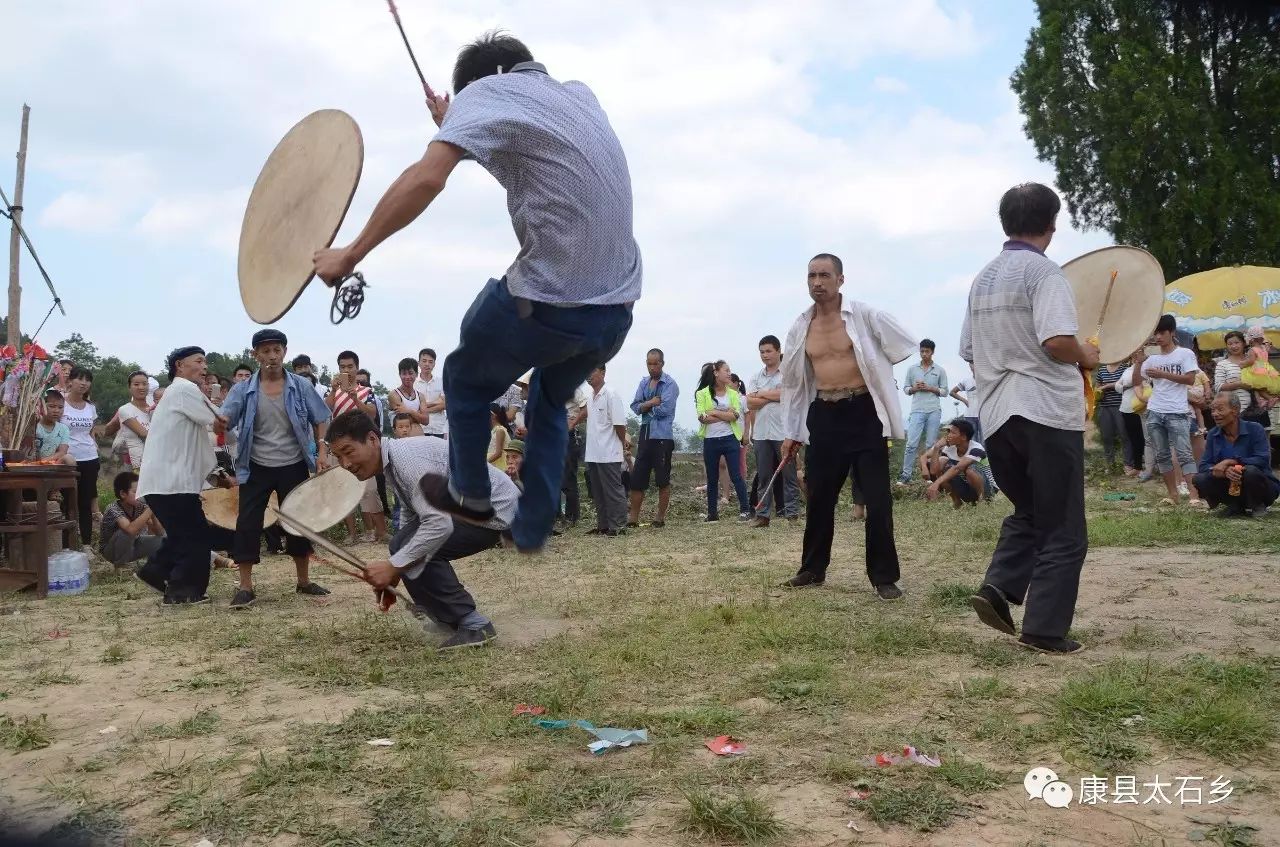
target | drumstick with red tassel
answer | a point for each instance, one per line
(431, 95)
(386, 597)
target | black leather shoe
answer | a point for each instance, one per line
(804, 579)
(436, 489)
(993, 609)
(889, 591)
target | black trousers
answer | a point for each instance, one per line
(437, 589)
(1254, 490)
(183, 559)
(1135, 443)
(254, 495)
(1043, 543)
(847, 437)
(86, 491)
(569, 483)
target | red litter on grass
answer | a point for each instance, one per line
(909, 754)
(526, 709)
(726, 745)
(58, 633)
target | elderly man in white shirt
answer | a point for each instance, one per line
(179, 460)
(839, 397)
(607, 446)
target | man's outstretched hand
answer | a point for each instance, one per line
(438, 106)
(333, 264)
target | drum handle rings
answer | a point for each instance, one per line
(348, 297)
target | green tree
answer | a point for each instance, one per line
(1160, 119)
(110, 373)
(225, 364)
(79, 350)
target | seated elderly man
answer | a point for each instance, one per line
(1235, 470)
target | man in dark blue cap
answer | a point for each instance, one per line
(277, 414)
(180, 462)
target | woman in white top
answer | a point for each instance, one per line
(406, 398)
(1226, 375)
(81, 417)
(134, 418)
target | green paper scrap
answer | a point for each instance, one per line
(1115, 495)
(550, 724)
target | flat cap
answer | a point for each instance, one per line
(268, 335)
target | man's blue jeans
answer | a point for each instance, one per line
(501, 337)
(919, 423)
(1171, 435)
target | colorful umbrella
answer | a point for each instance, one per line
(1215, 302)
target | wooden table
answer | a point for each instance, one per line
(33, 568)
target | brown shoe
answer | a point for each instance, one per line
(758, 523)
(804, 579)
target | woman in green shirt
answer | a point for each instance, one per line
(721, 411)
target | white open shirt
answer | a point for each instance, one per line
(879, 343)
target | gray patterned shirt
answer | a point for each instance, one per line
(550, 145)
(405, 461)
(1019, 301)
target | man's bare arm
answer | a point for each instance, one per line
(1067, 348)
(406, 199)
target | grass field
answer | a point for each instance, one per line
(126, 723)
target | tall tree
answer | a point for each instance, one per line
(1160, 117)
(110, 374)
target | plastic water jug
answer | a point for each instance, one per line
(68, 572)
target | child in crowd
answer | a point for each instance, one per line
(1258, 373)
(956, 464)
(402, 426)
(499, 435)
(129, 530)
(53, 437)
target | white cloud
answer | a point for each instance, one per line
(890, 85)
(748, 147)
(210, 218)
(82, 212)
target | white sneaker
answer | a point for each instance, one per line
(1183, 490)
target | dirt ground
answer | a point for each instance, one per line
(110, 670)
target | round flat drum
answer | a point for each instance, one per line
(296, 208)
(1136, 298)
(323, 500)
(222, 507)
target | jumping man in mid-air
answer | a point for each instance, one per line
(564, 305)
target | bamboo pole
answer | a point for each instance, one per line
(15, 289)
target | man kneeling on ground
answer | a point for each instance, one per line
(955, 465)
(1235, 470)
(429, 540)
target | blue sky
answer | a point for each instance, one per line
(758, 134)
